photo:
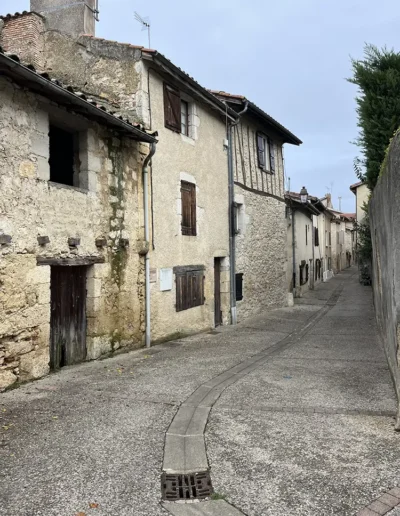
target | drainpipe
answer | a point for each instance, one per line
(231, 190)
(294, 253)
(147, 238)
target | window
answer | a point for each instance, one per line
(63, 156)
(316, 237)
(306, 234)
(188, 196)
(239, 286)
(185, 117)
(189, 287)
(330, 238)
(172, 108)
(265, 153)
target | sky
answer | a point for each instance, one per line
(290, 57)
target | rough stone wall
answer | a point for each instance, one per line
(70, 17)
(303, 250)
(261, 242)
(106, 206)
(24, 35)
(202, 161)
(385, 224)
(261, 253)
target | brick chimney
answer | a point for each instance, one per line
(71, 17)
(22, 34)
(329, 200)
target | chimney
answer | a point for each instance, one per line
(74, 18)
(329, 200)
(22, 34)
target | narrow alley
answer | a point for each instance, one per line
(301, 420)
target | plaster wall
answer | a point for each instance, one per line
(201, 160)
(362, 196)
(105, 205)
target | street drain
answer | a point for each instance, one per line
(186, 487)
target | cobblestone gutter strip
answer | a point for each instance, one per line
(382, 505)
(185, 448)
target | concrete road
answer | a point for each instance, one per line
(309, 430)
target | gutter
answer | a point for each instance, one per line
(231, 187)
(153, 148)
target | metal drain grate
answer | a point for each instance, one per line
(186, 487)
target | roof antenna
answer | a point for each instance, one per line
(145, 24)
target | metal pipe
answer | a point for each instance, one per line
(153, 147)
(231, 186)
(293, 253)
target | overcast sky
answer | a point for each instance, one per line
(290, 57)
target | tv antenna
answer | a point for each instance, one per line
(145, 22)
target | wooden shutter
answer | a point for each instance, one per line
(271, 155)
(261, 150)
(316, 239)
(189, 288)
(239, 286)
(172, 108)
(188, 196)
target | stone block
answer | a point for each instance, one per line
(27, 169)
(97, 346)
(5, 239)
(16, 348)
(88, 180)
(38, 274)
(41, 145)
(93, 305)
(43, 293)
(42, 122)
(7, 378)
(43, 168)
(93, 286)
(34, 365)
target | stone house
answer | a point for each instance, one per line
(308, 246)
(71, 230)
(258, 221)
(187, 263)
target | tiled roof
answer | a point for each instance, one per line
(7, 17)
(290, 137)
(76, 97)
(356, 185)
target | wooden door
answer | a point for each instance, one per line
(217, 292)
(68, 316)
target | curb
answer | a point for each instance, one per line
(382, 505)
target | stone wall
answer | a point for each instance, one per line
(261, 242)
(385, 224)
(103, 205)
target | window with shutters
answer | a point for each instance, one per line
(172, 108)
(265, 153)
(185, 117)
(189, 287)
(188, 196)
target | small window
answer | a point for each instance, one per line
(239, 286)
(265, 153)
(63, 156)
(185, 117)
(189, 287)
(316, 237)
(188, 196)
(172, 108)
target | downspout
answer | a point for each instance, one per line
(231, 187)
(293, 252)
(153, 147)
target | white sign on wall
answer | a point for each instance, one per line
(165, 279)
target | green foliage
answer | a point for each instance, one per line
(378, 108)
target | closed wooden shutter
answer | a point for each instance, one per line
(188, 196)
(189, 287)
(316, 239)
(239, 286)
(172, 108)
(261, 150)
(271, 156)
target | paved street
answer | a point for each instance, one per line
(301, 419)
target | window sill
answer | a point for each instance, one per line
(267, 171)
(67, 187)
(187, 139)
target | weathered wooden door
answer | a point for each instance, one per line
(68, 316)
(217, 292)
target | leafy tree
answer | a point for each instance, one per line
(378, 107)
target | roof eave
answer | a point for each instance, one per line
(288, 136)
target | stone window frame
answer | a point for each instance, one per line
(88, 162)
